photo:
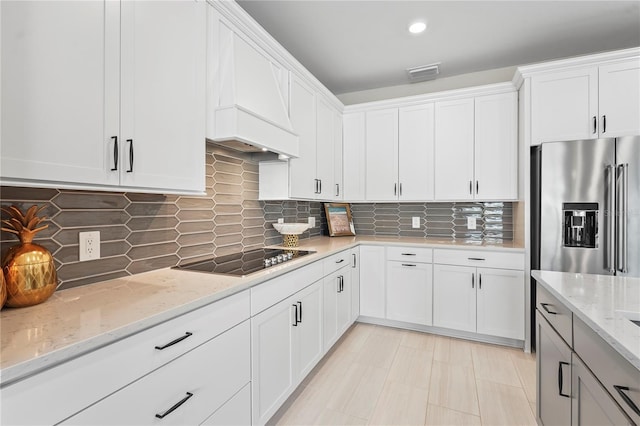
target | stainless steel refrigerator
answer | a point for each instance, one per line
(587, 215)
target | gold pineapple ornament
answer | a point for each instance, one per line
(28, 268)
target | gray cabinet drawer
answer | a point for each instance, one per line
(614, 372)
(559, 316)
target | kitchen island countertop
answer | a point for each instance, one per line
(605, 303)
(78, 320)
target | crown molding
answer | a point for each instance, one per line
(525, 71)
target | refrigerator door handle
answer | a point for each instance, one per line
(610, 213)
(622, 199)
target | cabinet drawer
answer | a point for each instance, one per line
(336, 261)
(273, 291)
(481, 258)
(558, 315)
(203, 380)
(115, 366)
(410, 254)
(609, 367)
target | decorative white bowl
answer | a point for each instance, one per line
(291, 228)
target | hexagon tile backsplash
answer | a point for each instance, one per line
(142, 232)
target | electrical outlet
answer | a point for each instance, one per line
(312, 221)
(415, 222)
(471, 223)
(280, 220)
(89, 245)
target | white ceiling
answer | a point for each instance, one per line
(358, 45)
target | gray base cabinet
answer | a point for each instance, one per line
(553, 371)
(592, 405)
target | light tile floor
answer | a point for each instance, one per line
(384, 376)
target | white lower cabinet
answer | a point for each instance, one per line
(372, 281)
(409, 292)
(286, 344)
(355, 283)
(454, 297)
(337, 305)
(480, 300)
(185, 391)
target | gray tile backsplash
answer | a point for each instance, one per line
(142, 232)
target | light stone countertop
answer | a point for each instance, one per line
(602, 302)
(78, 320)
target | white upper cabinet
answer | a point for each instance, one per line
(92, 84)
(619, 98)
(381, 182)
(302, 113)
(496, 147)
(586, 103)
(328, 151)
(565, 105)
(163, 94)
(415, 153)
(454, 149)
(354, 158)
(60, 81)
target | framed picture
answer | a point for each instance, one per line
(339, 219)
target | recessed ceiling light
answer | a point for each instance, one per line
(265, 149)
(417, 27)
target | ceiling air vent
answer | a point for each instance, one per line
(423, 73)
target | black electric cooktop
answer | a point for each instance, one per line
(244, 263)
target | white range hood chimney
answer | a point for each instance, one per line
(249, 111)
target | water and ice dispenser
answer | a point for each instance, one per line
(580, 225)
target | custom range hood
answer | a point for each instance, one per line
(249, 113)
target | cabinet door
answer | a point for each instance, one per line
(409, 292)
(272, 359)
(619, 99)
(372, 280)
(496, 147)
(382, 155)
(500, 303)
(564, 106)
(454, 297)
(553, 376)
(338, 184)
(353, 145)
(343, 311)
(60, 83)
(302, 112)
(307, 334)
(415, 153)
(591, 404)
(163, 95)
(355, 283)
(331, 290)
(325, 150)
(454, 150)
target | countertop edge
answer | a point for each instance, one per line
(606, 336)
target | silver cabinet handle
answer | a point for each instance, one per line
(622, 177)
(354, 264)
(337, 189)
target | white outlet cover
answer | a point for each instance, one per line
(471, 223)
(312, 221)
(415, 222)
(281, 220)
(89, 245)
